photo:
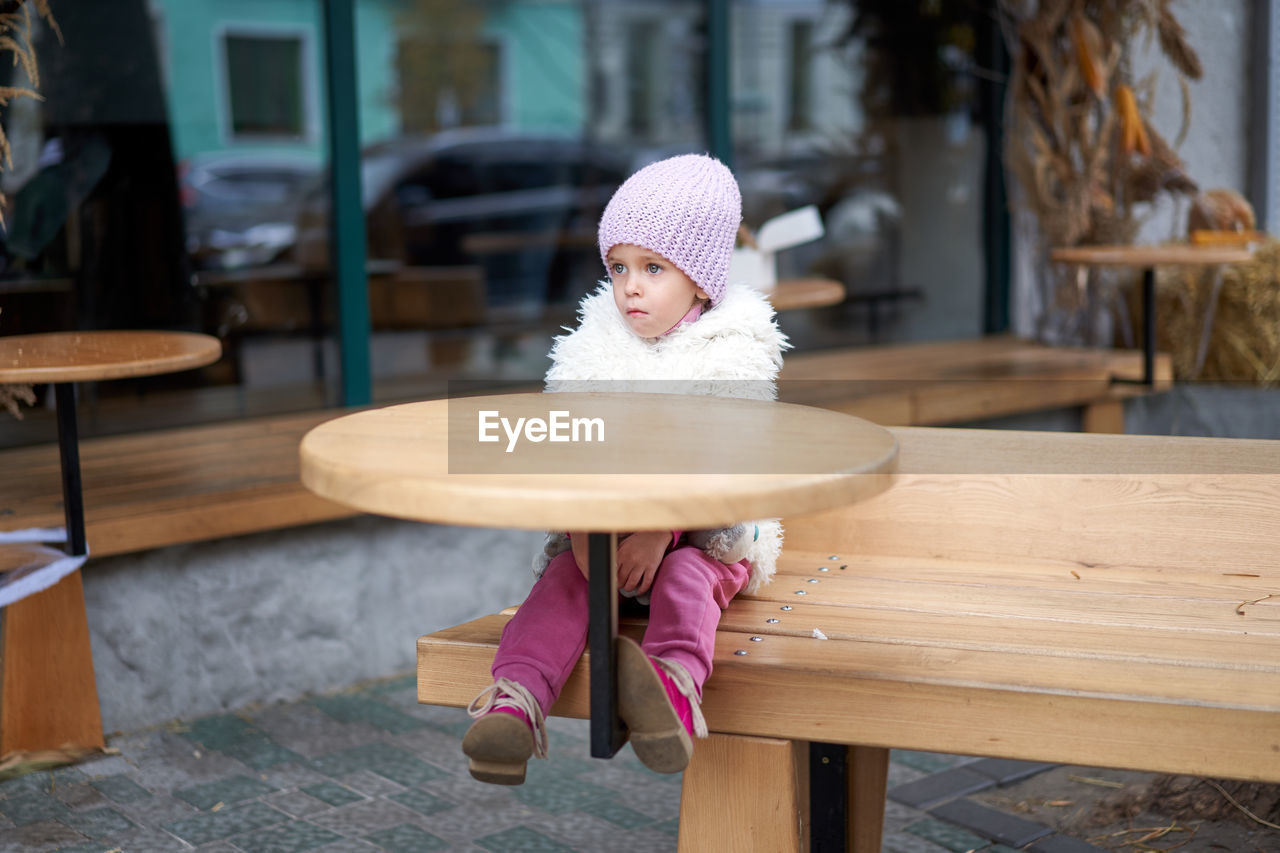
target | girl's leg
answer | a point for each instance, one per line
(687, 596)
(543, 641)
(660, 684)
(537, 651)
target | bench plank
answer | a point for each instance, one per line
(147, 490)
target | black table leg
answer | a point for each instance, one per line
(1149, 326)
(607, 732)
(828, 797)
(69, 449)
(1148, 333)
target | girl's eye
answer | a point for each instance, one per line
(653, 269)
(619, 269)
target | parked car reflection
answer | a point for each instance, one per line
(522, 208)
(241, 209)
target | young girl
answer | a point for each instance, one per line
(667, 312)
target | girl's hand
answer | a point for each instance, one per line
(639, 556)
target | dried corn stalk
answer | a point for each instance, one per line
(1080, 145)
(15, 37)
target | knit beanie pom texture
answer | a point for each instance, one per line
(686, 209)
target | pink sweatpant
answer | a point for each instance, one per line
(543, 641)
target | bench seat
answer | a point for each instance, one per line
(1100, 600)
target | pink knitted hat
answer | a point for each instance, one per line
(686, 209)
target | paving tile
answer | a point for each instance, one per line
(1062, 844)
(942, 835)
(144, 841)
(30, 783)
(87, 847)
(361, 709)
(99, 823)
(120, 788)
(371, 784)
(332, 793)
(295, 837)
(215, 826)
(940, 787)
(32, 808)
(157, 810)
(991, 823)
(408, 771)
(285, 776)
(927, 762)
(261, 753)
(1006, 771)
(105, 765)
(295, 803)
(354, 758)
(220, 731)
(41, 835)
(348, 845)
(359, 819)
(407, 838)
(618, 814)
(522, 840)
(79, 796)
(227, 791)
(422, 802)
(557, 794)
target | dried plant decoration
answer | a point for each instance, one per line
(1088, 163)
(15, 37)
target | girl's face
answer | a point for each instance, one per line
(651, 292)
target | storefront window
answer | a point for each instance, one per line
(867, 110)
(175, 177)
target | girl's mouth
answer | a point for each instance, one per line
(635, 312)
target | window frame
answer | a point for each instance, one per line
(305, 36)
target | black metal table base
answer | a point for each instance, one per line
(1148, 333)
(828, 797)
(607, 732)
(69, 449)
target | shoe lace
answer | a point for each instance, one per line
(684, 683)
(505, 693)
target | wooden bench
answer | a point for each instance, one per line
(951, 382)
(1099, 600)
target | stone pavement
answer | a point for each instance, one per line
(370, 769)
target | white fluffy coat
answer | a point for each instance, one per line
(732, 350)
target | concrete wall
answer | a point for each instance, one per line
(210, 627)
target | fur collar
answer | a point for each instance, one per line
(732, 350)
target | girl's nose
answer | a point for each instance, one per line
(631, 285)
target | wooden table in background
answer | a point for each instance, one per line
(1148, 258)
(420, 461)
(793, 293)
(48, 696)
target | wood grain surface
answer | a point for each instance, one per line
(670, 460)
(83, 356)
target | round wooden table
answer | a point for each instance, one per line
(661, 461)
(64, 358)
(792, 293)
(49, 699)
(1148, 258)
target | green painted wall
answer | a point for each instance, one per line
(543, 77)
(545, 54)
(191, 32)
